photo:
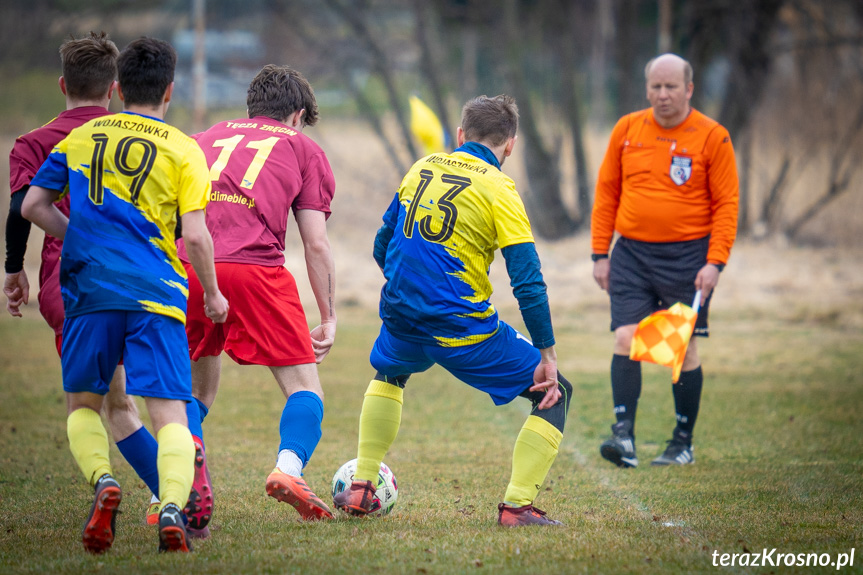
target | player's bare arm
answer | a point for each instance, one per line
(322, 277)
(199, 246)
(39, 208)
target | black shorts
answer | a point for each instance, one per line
(646, 277)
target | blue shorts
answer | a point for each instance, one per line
(501, 366)
(646, 277)
(153, 348)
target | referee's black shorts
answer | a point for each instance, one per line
(646, 277)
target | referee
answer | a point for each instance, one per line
(668, 185)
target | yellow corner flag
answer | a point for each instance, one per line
(663, 337)
(426, 127)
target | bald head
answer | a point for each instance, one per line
(669, 88)
(671, 62)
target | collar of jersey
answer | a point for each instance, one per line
(83, 111)
(478, 150)
(142, 115)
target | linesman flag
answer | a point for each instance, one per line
(663, 337)
(426, 127)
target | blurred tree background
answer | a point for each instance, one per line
(784, 76)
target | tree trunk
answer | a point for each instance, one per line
(355, 18)
(428, 67)
(750, 61)
(542, 200)
(365, 108)
(743, 151)
(841, 170)
(627, 94)
(663, 40)
(571, 105)
(604, 31)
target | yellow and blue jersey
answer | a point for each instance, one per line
(450, 215)
(128, 178)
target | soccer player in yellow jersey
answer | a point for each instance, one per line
(124, 289)
(449, 216)
(89, 67)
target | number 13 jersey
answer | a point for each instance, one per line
(451, 212)
(260, 170)
(128, 177)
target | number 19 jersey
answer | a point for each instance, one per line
(451, 212)
(128, 176)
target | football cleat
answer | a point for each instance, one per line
(357, 499)
(98, 535)
(153, 512)
(294, 491)
(620, 449)
(678, 451)
(521, 516)
(199, 508)
(172, 530)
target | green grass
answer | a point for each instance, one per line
(778, 449)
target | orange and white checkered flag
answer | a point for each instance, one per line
(663, 337)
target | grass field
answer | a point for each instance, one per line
(778, 447)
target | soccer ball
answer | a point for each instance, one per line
(386, 486)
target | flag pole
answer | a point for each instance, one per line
(696, 303)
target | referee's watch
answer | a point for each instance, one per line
(597, 257)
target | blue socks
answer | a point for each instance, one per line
(140, 451)
(193, 414)
(300, 427)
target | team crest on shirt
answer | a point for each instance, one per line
(681, 169)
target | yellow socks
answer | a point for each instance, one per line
(535, 451)
(379, 424)
(88, 441)
(176, 463)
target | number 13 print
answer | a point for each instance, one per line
(444, 204)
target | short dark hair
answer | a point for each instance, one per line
(492, 120)
(278, 91)
(145, 70)
(89, 66)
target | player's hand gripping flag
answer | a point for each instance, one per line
(427, 128)
(663, 337)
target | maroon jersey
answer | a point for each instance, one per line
(25, 159)
(261, 169)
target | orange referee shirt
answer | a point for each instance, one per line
(667, 185)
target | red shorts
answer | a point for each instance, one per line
(266, 324)
(50, 300)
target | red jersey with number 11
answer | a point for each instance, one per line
(260, 169)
